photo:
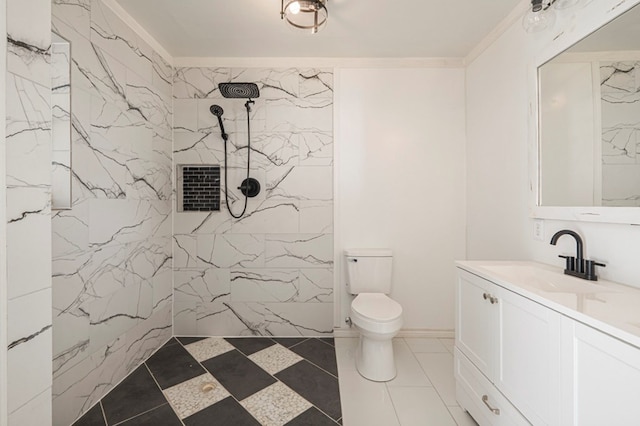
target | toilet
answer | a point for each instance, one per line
(376, 316)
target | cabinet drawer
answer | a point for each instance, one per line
(480, 398)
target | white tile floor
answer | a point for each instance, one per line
(422, 394)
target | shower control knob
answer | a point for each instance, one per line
(250, 187)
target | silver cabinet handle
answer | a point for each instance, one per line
(493, 300)
(485, 399)
(485, 296)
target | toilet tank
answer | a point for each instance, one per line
(368, 270)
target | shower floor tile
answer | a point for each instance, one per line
(292, 382)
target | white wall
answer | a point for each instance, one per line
(400, 181)
(499, 194)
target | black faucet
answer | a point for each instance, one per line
(577, 266)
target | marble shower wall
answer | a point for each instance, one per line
(620, 94)
(112, 262)
(270, 272)
(28, 168)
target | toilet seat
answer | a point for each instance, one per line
(376, 313)
(376, 307)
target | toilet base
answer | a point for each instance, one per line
(374, 358)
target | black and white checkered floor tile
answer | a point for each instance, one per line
(232, 381)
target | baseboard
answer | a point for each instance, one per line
(424, 333)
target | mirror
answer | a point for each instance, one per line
(589, 120)
(61, 122)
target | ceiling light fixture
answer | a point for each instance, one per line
(542, 16)
(306, 15)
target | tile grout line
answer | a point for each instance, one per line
(161, 391)
(284, 384)
(432, 383)
(104, 416)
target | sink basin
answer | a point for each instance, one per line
(546, 280)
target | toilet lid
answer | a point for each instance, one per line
(376, 306)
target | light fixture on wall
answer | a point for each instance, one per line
(305, 15)
(542, 15)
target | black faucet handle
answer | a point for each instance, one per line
(590, 269)
(570, 263)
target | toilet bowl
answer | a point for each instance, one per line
(378, 318)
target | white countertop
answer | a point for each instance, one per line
(607, 306)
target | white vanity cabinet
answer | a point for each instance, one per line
(534, 346)
(601, 381)
(508, 348)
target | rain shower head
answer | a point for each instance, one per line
(239, 90)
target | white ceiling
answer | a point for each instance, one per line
(355, 29)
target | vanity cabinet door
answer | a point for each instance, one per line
(528, 365)
(476, 321)
(602, 378)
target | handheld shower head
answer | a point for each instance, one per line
(218, 111)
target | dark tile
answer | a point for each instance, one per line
(287, 342)
(161, 416)
(328, 340)
(311, 417)
(250, 345)
(317, 386)
(187, 340)
(136, 394)
(238, 374)
(170, 342)
(172, 365)
(92, 417)
(319, 353)
(225, 412)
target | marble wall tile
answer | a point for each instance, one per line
(71, 18)
(230, 250)
(301, 183)
(202, 285)
(197, 83)
(266, 319)
(113, 36)
(112, 259)
(78, 389)
(276, 260)
(29, 336)
(35, 412)
(316, 217)
(620, 119)
(29, 40)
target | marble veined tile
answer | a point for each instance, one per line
(316, 217)
(29, 40)
(231, 250)
(71, 18)
(35, 412)
(315, 148)
(316, 285)
(301, 183)
(316, 83)
(275, 405)
(184, 251)
(299, 115)
(78, 389)
(119, 40)
(269, 217)
(195, 394)
(208, 348)
(275, 358)
(274, 83)
(146, 337)
(201, 285)
(194, 83)
(264, 285)
(300, 250)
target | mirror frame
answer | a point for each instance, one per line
(557, 41)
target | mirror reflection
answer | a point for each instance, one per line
(61, 122)
(589, 129)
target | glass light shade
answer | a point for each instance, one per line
(306, 15)
(565, 4)
(534, 22)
